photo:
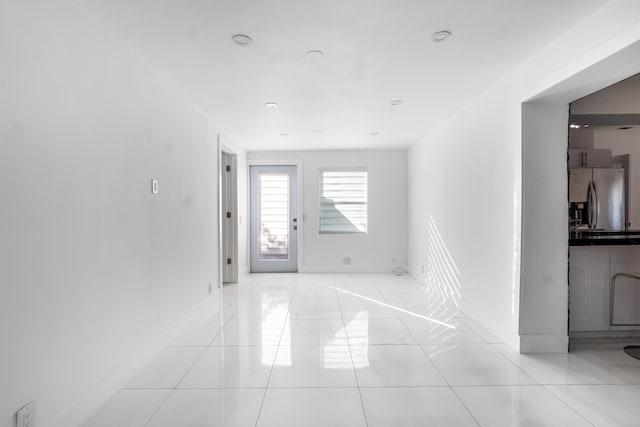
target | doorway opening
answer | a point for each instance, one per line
(544, 253)
(603, 151)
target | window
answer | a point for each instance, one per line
(343, 201)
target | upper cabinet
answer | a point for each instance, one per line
(589, 158)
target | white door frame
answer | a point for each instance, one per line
(300, 195)
(227, 200)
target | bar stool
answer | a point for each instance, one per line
(631, 350)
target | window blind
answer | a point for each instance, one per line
(343, 201)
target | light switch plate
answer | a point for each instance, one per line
(154, 186)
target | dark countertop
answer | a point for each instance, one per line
(604, 238)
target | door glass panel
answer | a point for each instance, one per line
(273, 216)
(273, 224)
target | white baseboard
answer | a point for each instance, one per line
(498, 329)
(509, 337)
(547, 343)
(90, 402)
(544, 343)
(342, 268)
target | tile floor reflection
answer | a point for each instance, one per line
(365, 350)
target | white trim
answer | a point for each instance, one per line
(219, 210)
(346, 268)
(479, 317)
(498, 329)
(286, 162)
(544, 344)
(90, 402)
(243, 274)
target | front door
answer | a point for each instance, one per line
(274, 222)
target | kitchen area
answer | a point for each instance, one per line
(604, 212)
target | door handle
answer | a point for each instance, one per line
(595, 205)
(590, 207)
(592, 196)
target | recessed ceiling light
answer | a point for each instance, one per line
(396, 102)
(271, 105)
(242, 40)
(315, 54)
(574, 126)
(375, 133)
(440, 36)
(317, 131)
(284, 135)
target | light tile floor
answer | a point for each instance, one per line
(365, 350)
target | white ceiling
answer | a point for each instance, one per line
(375, 51)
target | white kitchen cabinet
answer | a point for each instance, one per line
(626, 259)
(589, 158)
(588, 288)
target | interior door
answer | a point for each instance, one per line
(229, 217)
(274, 222)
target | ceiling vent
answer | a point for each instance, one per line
(440, 36)
(242, 40)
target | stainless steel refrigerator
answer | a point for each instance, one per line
(597, 197)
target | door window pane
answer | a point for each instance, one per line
(273, 216)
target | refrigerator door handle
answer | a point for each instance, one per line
(590, 202)
(595, 205)
(592, 199)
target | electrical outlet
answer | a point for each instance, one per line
(210, 288)
(26, 416)
(422, 268)
(346, 260)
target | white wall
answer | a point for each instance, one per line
(463, 196)
(386, 238)
(545, 235)
(465, 181)
(93, 268)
